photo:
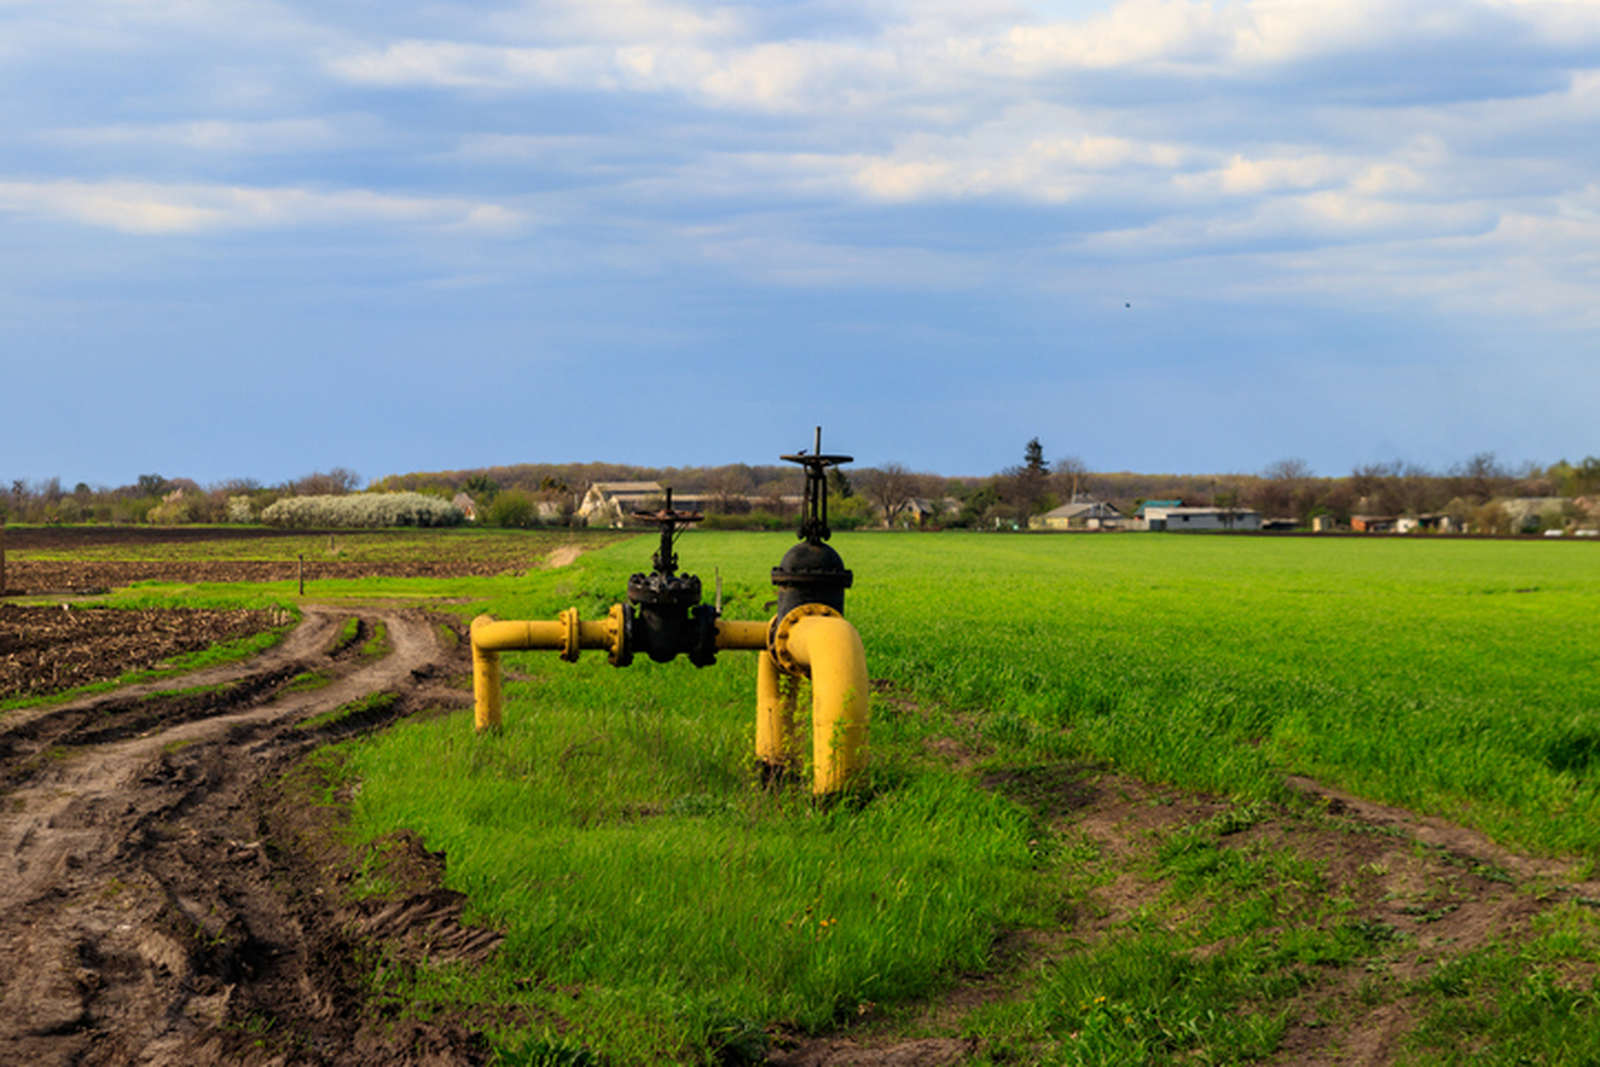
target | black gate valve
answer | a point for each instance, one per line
(665, 616)
(812, 572)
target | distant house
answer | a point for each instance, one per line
(1438, 521)
(468, 508)
(614, 503)
(1081, 515)
(1182, 518)
(1139, 512)
(611, 503)
(1373, 523)
(1529, 513)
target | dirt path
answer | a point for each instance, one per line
(141, 918)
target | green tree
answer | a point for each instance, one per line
(1029, 482)
(839, 485)
(513, 507)
(482, 488)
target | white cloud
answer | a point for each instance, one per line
(764, 77)
(151, 208)
(268, 136)
(618, 21)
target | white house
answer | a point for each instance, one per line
(613, 503)
(610, 503)
(1081, 515)
(1191, 518)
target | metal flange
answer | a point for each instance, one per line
(778, 640)
(571, 638)
(619, 628)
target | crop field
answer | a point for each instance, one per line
(76, 559)
(1131, 799)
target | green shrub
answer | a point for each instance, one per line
(513, 507)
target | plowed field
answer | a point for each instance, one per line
(43, 649)
(77, 576)
(81, 559)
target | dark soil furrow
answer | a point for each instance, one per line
(144, 915)
(22, 750)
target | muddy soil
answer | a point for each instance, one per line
(38, 576)
(69, 537)
(146, 915)
(44, 649)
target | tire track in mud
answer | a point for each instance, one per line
(143, 919)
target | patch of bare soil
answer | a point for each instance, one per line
(564, 556)
(150, 911)
(924, 1052)
(44, 649)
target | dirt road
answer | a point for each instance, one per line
(146, 915)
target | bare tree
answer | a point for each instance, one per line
(1071, 478)
(1479, 478)
(1285, 489)
(891, 487)
(335, 482)
(730, 489)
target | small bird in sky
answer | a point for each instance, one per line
(1128, 304)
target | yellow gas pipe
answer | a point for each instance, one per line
(812, 641)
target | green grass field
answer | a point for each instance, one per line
(660, 905)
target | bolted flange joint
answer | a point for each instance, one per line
(619, 630)
(783, 627)
(571, 636)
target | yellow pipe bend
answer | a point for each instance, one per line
(566, 634)
(516, 635)
(830, 648)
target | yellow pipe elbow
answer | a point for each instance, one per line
(831, 649)
(517, 635)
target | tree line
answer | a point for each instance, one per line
(889, 494)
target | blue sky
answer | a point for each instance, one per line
(256, 239)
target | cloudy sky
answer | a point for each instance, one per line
(250, 238)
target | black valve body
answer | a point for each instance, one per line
(811, 573)
(669, 619)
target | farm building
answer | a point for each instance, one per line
(610, 503)
(613, 503)
(1139, 515)
(468, 508)
(1412, 523)
(1373, 523)
(919, 511)
(1181, 518)
(1081, 515)
(1530, 513)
